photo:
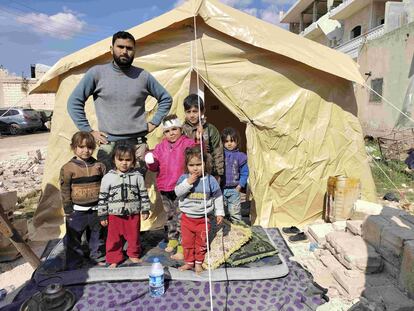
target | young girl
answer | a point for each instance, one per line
(167, 160)
(190, 192)
(122, 198)
(236, 173)
(80, 180)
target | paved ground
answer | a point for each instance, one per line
(15, 146)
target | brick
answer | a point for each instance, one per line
(392, 242)
(8, 200)
(354, 226)
(371, 230)
(391, 297)
(352, 281)
(406, 277)
(339, 225)
(353, 252)
(319, 231)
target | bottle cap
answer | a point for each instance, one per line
(155, 260)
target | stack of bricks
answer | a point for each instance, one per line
(8, 202)
(370, 259)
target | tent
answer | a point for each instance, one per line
(294, 97)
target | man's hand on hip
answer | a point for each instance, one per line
(151, 127)
(100, 137)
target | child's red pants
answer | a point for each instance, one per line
(194, 239)
(121, 228)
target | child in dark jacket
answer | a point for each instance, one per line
(198, 195)
(123, 201)
(167, 159)
(80, 180)
(236, 173)
(211, 136)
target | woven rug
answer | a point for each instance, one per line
(293, 292)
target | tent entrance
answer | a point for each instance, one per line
(218, 115)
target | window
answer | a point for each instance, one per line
(13, 112)
(376, 85)
(355, 32)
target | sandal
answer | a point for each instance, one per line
(300, 237)
(290, 230)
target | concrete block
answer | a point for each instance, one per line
(352, 281)
(392, 242)
(406, 277)
(368, 208)
(328, 260)
(339, 225)
(371, 230)
(408, 219)
(8, 200)
(391, 269)
(354, 226)
(353, 252)
(391, 297)
(319, 231)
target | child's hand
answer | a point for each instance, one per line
(104, 223)
(144, 216)
(238, 188)
(219, 220)
(149, 158)
(192, 178)
(199, 133)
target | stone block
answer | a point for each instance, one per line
(8, 200)
(368, 208)
(406, 277)
(391, 269)
(339, 225)
(372, 228)
(391, 297)
(353, 252)
(392, 242)
(354, 226)
(319, 231)
(352, 281)
(408, 219)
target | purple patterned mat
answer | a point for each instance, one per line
(296, 291)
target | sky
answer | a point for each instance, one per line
(43, 31)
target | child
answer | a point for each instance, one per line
(236, 172)
(190, 192)
(80, 180)
(211, 136)
(122, 198)
(167, 160)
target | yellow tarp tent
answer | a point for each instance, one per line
(294, 95)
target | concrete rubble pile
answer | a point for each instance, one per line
(370, 259)
(23, 175)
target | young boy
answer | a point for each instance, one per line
(80, 181)
(211, 136)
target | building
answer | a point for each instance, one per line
(14, 90)
(379, 35)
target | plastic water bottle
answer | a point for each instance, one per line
(156, 279)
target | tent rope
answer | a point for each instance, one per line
(202, 156)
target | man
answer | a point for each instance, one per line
(119, 91)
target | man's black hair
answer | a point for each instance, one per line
(192, 101)
(122, 35)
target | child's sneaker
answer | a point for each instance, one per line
(172, 244)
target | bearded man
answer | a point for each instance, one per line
(119, 92)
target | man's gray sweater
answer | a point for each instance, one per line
(119, 96)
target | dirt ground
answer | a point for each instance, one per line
(12, 147)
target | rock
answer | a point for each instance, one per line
(371, 230)
(353, 252)
(391, 297)
(354, 226)
(393, 238)
(319, 231)
(406, 277)
(352, 281)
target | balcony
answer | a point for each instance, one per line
(352, 46)
(348, 8)
(311, 31)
